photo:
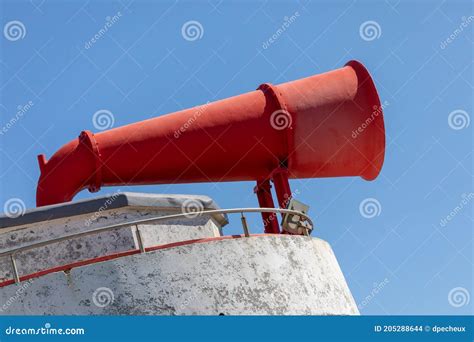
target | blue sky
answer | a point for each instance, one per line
(420, 57)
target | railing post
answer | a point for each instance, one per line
(141, 245)
(244, 225)
(15, 269)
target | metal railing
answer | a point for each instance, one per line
(188, 215)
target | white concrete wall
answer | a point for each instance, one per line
(275, 275)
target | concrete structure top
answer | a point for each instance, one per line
(168, 203)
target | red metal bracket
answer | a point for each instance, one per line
(273, 94)
(88, 140)
(282, 186)
(283, 191)
(265, 200)
(270, 89)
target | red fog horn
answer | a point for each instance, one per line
(327, 125)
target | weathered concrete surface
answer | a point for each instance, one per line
(50, 222)
(275, 275)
